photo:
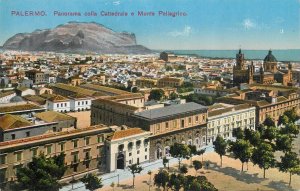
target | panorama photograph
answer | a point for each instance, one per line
(149, 95)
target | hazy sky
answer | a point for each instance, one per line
(209, 24)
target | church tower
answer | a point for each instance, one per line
(270, 63)
(251, 70)
(290, 67)
(240, 61)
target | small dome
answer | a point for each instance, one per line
(16, 99)
(270, 57)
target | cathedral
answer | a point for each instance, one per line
(269, 73)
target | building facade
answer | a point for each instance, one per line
(223, 118)
(269, 100)
(83, 148)
(116, 110)
(36, 76)
(126, 147)
(183, 123)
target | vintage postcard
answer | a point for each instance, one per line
(183, 95)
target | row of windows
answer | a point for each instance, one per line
(137, 160)
(138, 152)
(28, 133)
(82, 102)
(182, 124)
(131, 144)
(48, 149)
(61, 105)
(232, 119)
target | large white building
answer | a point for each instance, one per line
(58, 103)
(126, 147)
(223, 118)
(80, 102)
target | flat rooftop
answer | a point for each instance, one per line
(172, 110)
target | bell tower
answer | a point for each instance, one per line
(240, 61)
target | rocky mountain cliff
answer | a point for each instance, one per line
(77, 37)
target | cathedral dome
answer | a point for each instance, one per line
(270, 57)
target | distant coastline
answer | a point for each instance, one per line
(292, 55)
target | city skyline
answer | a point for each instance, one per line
(209, 24)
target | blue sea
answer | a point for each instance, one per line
(292, 55)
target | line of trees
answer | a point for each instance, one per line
(259, 146)
(177, 181)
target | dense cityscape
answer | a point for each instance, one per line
(95, 120)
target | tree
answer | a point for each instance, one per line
(263, 156)
(193, 151)
(283, 120)
(252, 136)
(134, 169)
(156, 94)
(201, 99)
(290, 129)
(238, 133)
(92, 182)
(41, 174)
(195, 185)
(220, 146)
(241, 150)
(173, 96)
(176, 182)
(284, 143)
(290, 163)
(292, 115)
(270, 133)
(165, 161)
(161, 179)
(180, 151)
(269, 122)
(201, 152)
(197, 165)
(261, 129)
(184, 169)
(134, 89)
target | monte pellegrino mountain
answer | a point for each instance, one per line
(77, 37)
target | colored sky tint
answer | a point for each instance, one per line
(209, 24)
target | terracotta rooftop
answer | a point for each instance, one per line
(22, 107)
(75, 89)
(104, 89)
(8, 121)
(50, 135)
(171, 79)
(79, 96)
(220, 110)
(53, 116)
(110, 102)
(126, 133)
(58, 98)
(125, 96)
(35, 98)
(6, 93)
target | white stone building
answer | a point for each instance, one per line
(223, 118)
(80, 102)
(58, 103)
(126, 147)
